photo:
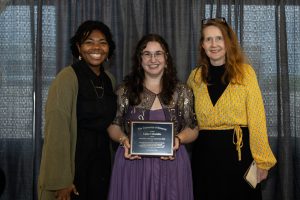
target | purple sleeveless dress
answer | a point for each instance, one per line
(152, 178)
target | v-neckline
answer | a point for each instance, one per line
(215, 85)
(220, 96)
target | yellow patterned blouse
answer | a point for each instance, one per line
(239, 105)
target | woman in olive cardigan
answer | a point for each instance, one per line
(81, 104)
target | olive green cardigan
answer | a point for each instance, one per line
(57, 167)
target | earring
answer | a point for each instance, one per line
(106, 60)
(79, 57)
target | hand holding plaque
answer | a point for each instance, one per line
(151, 138)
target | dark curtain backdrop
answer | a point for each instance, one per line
(34, 46)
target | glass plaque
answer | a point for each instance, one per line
(152, 138)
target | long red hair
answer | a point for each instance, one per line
(235, 58)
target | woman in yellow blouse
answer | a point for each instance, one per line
(231, 118)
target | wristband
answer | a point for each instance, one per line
(176, 136)
(122, 139)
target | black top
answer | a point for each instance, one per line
(96, 101)
(215, 85)
(96, 108)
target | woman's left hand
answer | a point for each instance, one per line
(262, 174)
(175, 148)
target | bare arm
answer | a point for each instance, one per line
(116, 134)
(186, 136)
(190, 132)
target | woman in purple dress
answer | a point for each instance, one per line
(152, 92)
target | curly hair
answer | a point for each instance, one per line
(235, 58)
(135, 80)
(84, 31)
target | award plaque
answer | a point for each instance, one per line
(151, 138)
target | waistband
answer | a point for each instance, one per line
(237, 137)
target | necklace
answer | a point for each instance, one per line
(99, 89)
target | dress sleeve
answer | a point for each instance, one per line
(122, 106)
(186, 107)
(259, 143)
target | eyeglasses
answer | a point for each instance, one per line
(157, 55)
(217, 19)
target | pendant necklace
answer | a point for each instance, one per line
(99, 90)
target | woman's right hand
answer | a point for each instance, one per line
(65, 194)
(127, 155)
